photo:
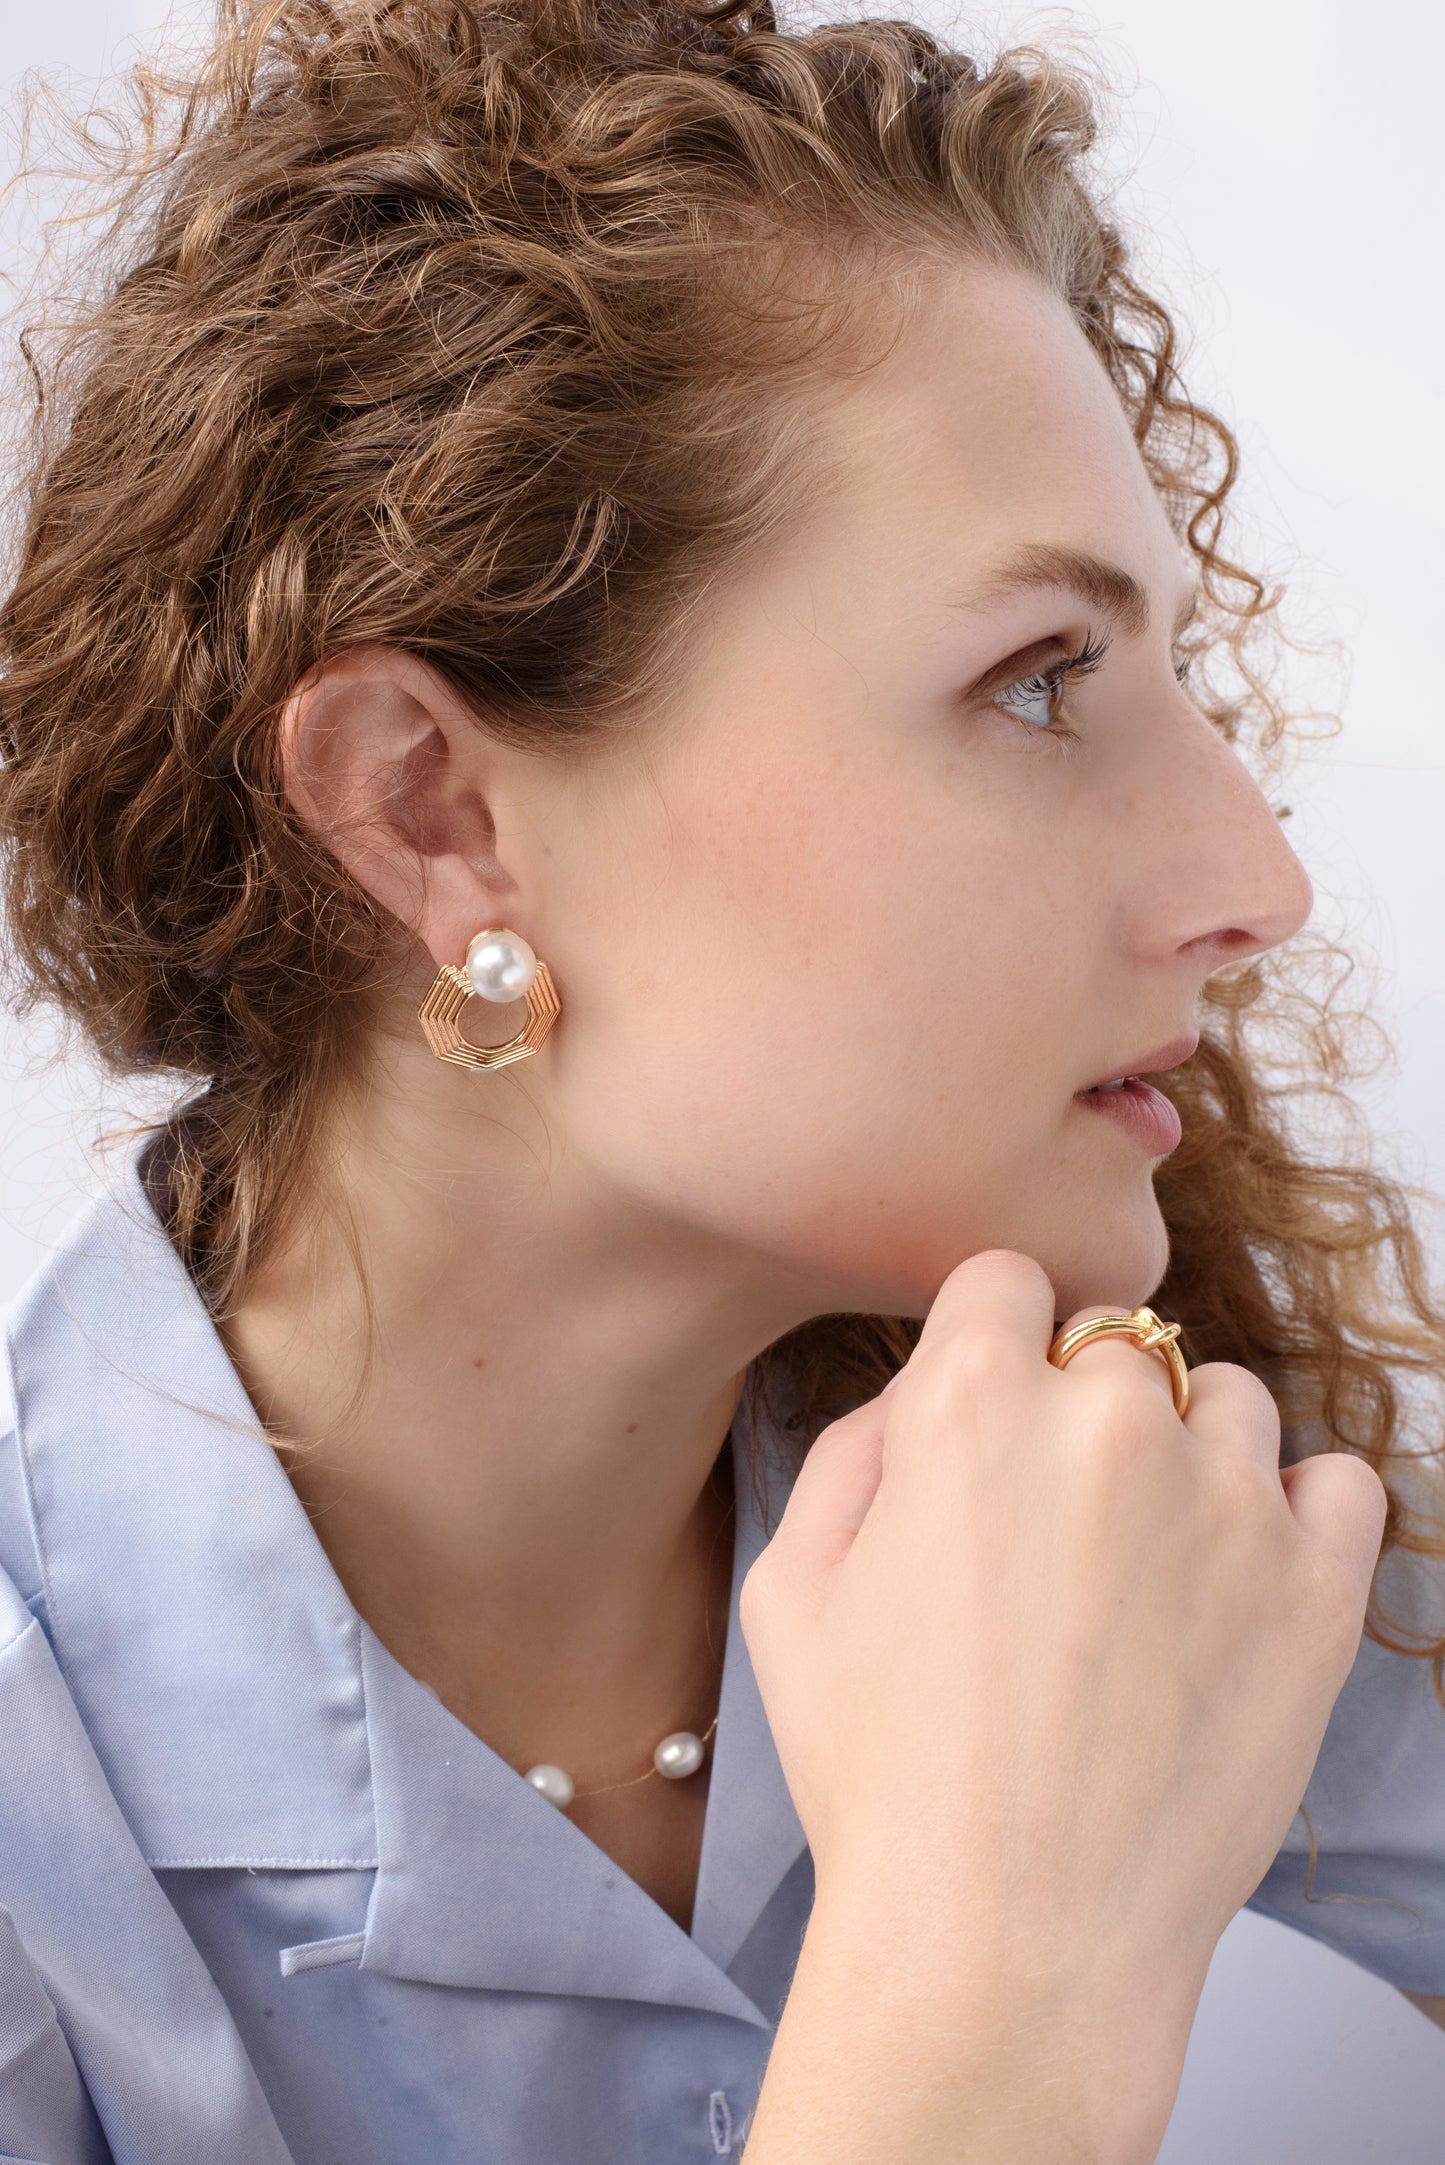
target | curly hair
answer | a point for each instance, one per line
(484, 328)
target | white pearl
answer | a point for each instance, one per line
(552, 1783)
(678, 1755)
(500, 965)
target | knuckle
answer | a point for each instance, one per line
(1374, 1495)
(966, 1370)
(1131, 1419)
(759, 1581)
(756, 1594)
(1114, 1421)
(1123, 1392)
(1247, 1394)
(949, 1377)
(1243, 1488)
(836, 1437)
(1333, 1600)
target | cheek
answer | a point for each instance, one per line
(837, 1026)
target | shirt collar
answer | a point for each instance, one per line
(206, 1640)
(432, 1917)
(244, 1714)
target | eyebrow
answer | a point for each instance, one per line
(1107, 587)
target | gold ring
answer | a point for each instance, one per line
(1147, 1332)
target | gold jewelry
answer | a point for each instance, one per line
(500, 966)
(1147, 1332)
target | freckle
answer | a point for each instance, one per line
(479, 1362)
(632, 1428)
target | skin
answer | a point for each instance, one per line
(835, 955)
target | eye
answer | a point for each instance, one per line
(1035, 698)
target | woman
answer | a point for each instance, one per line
(693, 528)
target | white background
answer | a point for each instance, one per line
(1285, 157)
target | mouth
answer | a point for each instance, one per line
(1158, 1062)
(1132, 1104)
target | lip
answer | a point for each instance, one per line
(1157, 1062)
(1136, 1109)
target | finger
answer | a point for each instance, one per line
(1127, 1356)
(1341, 1503)
(1231, 1410)
(988, 1331)
(998, 1298)
(834, 1488)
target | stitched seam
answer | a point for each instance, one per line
(27, 1482)
(327, 1954)
(355, 1628)
(720, 2123)
(20, 1637)
(355, 1864)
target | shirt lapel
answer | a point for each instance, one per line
(482, 1882)
(243, 1712)
(208, 1644)
(550, 1911)
(752, 1836)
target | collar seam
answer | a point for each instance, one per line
(32, 1508)
(113, 1300)
(267, 1864)
(11, 1646)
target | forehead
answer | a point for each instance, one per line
(990, 424)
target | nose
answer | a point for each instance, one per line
(1230, 884)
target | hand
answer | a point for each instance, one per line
(1047, 1668)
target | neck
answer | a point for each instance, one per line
(503, 1399)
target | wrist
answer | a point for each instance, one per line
(900, 2045)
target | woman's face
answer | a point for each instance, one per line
(840, 952)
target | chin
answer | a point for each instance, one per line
(1119, 1261)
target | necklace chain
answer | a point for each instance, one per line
(635, 1780)
(606, 1787)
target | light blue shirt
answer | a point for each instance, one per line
(267, 1902)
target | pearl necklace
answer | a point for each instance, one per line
(676, 1757)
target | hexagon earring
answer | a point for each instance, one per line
(500, 966)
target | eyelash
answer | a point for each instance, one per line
(1051, 681)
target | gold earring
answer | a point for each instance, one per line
(500, 966)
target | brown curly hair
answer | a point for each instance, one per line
(484, 328)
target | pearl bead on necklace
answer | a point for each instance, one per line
(676, 1757)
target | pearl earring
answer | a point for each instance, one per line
(499, 966)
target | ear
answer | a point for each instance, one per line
(384, 763)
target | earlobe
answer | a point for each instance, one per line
(379, 760)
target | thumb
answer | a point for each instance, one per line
(834, 1489)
